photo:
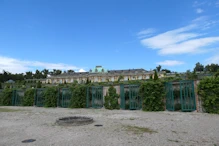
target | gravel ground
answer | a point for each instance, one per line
(119, 128)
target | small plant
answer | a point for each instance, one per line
(111, 99)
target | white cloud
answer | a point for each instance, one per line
(81, 70)
(170, 63)
(20, 66)
(197, 3)
(199, 11)
(213, 59)
(183, 40)
(146, 32)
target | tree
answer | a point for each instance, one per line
(199, 67)
(155, 75)
(37, 74)
(212, 68)
(70, 71)
(158, 68)
(58, 72)
(166, 70)
(111, 99)
(29, 75)
(45, 72)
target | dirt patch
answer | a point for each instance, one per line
(139, 130)
(9, 110)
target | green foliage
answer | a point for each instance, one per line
(50, 97)
(199, 67)
(28, 99)
(158, 68)
(0, 85)
(39, 84)
(111, 99)
(78, 99)
(155, 75)
(152, 93)
(208, 89)
(6, 97)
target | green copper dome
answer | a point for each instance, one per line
(98, 69)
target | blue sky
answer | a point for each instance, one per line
(117, 34)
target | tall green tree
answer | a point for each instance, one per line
(45, 72)
(70, 71)
(199, 67)
(158, 68)
(212, 67)
(155, 75)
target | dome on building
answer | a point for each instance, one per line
(99, 69)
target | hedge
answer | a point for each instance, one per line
(78, 99)
(50, 97)
(6, 97)
(152, 93)
(208, 89)
(28, 99)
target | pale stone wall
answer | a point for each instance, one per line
(199, 107)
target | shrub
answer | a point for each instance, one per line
(111, 99)
(39, 84)
(28, 99)
(152, 93)
(6, 97)
(78, 99)
(50, 97)
(208, 89)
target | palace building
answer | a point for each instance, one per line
(100, 74)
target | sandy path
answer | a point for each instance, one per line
(171, 128)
